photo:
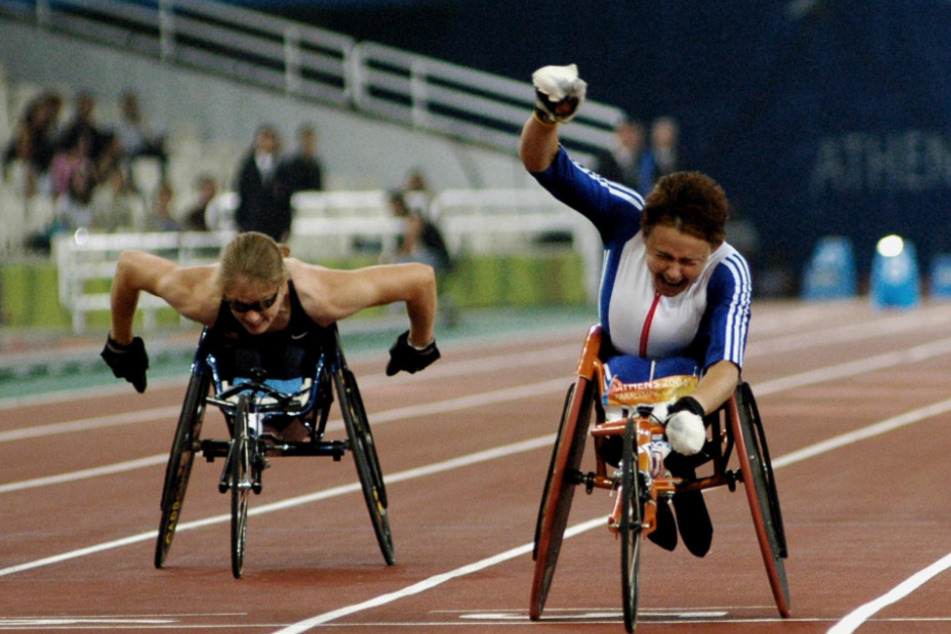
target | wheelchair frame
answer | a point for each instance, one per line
(247, 406)
(736, 432)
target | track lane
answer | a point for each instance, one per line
(205, 557)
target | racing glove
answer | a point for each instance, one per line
(128, 362)
(408, 358)
(558, 93)
(685, 430)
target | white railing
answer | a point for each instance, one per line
(86, 264)
(316, 64)
(333, 225)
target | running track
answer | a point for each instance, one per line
(856, 405)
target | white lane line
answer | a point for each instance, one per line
(811, 377)
(431, 582)
(861, 614)
(402, 413)
(439, 467)
(95, 472)
(885, 325)
(884, 426)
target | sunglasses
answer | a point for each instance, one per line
(259, 306)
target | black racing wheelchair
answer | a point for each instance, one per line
(252, 405)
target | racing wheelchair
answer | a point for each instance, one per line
(251, 406)
(735, 452)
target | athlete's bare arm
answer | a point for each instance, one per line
(329, 295)
(189, 290)
(538, 144)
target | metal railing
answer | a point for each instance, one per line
(315, 64)
(332, 225)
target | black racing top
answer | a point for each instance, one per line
(286, 354)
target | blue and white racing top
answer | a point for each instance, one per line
(708, 322)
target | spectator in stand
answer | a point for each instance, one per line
(420, 241)
(34, 141)
(302, 170)
(161, 217)
(73, 207)
(135, 137)
(69, 160)
(417, 194)
(115, 206)
(83, 124)
(264, 203)
(628, 162)
(667, 157)
(194, 218)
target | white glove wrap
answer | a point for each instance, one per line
(686, 433)
(557, 84)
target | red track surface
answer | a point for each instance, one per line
(856, 407)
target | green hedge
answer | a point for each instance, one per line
(29, 295)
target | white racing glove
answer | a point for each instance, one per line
(558, 93)
(685, 430)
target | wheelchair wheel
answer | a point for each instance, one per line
(239, 481)
(761, 492)
(364, 455)
(563, 475)
(180, 461)
(630, 525)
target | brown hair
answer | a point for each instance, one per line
(255, 256)
(691, 202)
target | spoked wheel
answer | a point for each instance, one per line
(239, 481)
(761, 492)
(180, 461)
(364, 455)
(630, 526)
(563, 476)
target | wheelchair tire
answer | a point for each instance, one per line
(562, 478)
(630, 525)
(239, 481)
(365, 457)
(180, 461)
(761, 493)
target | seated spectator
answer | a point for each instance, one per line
(160, 217)
(135, 137)
(73, 208)
(67, 161)
(83, 124)
(33, 142)
(420, 241)
(115, 206)
(194, 218)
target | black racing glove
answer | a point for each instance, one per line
(127, 362)
(687, 404)
(405, 357)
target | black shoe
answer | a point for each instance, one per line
(665, 535)
(694, 523)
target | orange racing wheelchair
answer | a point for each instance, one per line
(251, 407)
(735, 451)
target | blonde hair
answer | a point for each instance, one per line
(254, 256)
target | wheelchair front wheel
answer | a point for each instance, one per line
(180, 461)
(239, 480)
(563, 476)
(630, 526)
(364, 455)
(761, 493)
